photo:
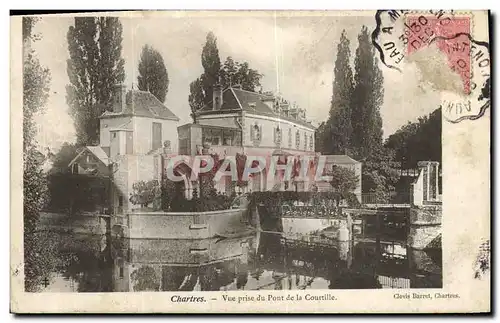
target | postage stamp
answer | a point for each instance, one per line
(250, 162)
(400, 36)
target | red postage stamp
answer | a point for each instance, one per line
(423, 30)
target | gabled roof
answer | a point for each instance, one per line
(340, 159)
(250, 102)
(143, 104)
(96, 151)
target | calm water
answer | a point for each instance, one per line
(254, 262)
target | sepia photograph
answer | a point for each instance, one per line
(267, 156)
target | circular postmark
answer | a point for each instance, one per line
(440, 44)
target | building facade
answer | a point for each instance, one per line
(134, 132)
(237, 121)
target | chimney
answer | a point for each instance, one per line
(217, 97)
(119, 97)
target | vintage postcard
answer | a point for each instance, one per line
(251, 162)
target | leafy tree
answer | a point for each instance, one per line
(411, 142)
(338, 129)
(94, 67)
(233, 73)
(145, 193)
(380, 174)
(153, 75)
(196, 97)
(366, 99)
(64, 156)
(344, 181)
(36, 82)
(211, 65)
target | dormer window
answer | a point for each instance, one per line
(252, 104)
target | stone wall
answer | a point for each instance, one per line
(425, 226)
(188, 225)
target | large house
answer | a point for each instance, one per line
(237, 121)
(134, 132)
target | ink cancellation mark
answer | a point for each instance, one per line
(399, 34)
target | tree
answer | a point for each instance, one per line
(94, 67)
(196, 97)
(201, 89)
(344, 181)
(380, 175)
(366, 99)
(417, 141)
(338, 129)
(36, 82)
(233, 73)
(211, 65)
(144, 193)
(64, 156)
(153, 75)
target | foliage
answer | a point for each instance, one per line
(63, 157)
(36, 81)
(380, 174)
(367, 99)
(344, 181)
(231, 73)
(145, 279)
(94, 67)
(411, 142)
(196, 97)
(144, 193)
(211, 66)
(44, 259)
(153, 75)
(338, 129)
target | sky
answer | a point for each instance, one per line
(294, 52)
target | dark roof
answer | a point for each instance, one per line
(143, 104)
(251, 102)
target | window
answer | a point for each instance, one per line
(305, 141)
(311, 144)
(227, 138)
(256, 133)
(121, 272)
(277, 135)
(297, 139)
(114, 134)
(290, 138)
(156, 135)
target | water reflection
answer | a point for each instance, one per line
(253, 262)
